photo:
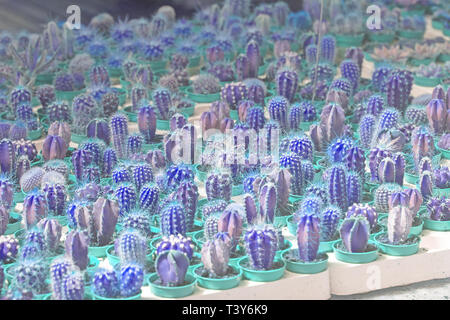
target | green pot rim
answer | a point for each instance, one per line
(327, 246)
(434, 225)
(132, 116)
(398, 250)
(292, 227)
(218, 284)
(354, 257)
(172, 292)
(98, 252)
(163, 125)
(305, 267)
(262, 275)
(97, 297)
(202, 98)
(445, 153)
(411, 34)
(77, 138)
(426, 82)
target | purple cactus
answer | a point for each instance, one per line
(355, 233)
(76, 245)
(171, 266)
(261, 245)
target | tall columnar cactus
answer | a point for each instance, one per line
(355, 233)
(386, 170)
(437, 114)
(8, 158)
(105, 214)
(98, 75)
(328, 48)
(351, 71)
(171, 266)
(163, 102)
(56, 195)
(95, 147)
(398, 88)
(99, 129)
(233, 93)
(354, 159)
(231, 221)
(382, 195)
(308, 237)
(354, 188)
(292, 162)
(287, 83)
(329, 221)
(4, 218)
(311, 54)
(215, 256)
(84, 109)
(379, 77)
(375, 105)
(254, 58)
(109, 161)
(399, 223)
(126, 197)
(337, 186)
(255, 118)
(6, 191)
(76, 245)
(131, 246)
(257, 90)
(52, 231)
(138, 94)
(187, 194)
(278, 111)
(81, 159)
(119, 129)
(142, 174)
(422, 142)
(173, 219)
(330, 127)
(34, 209)
(218, 185)
(59, 269)
(149, 197)
(211, 226)
(261, 246)
(426, 184)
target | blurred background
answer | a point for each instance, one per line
(32, 15)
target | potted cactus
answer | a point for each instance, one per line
(171, 279)
(348, 29)
(443, 145)
(306, 258)
(354, 246)
(205, 88)
(412, 27)
(438, 214)
(261, 243)
(429, 76)
(215, 272)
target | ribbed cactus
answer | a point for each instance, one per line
(76, 245)
(177, 173)
(176, 242)
(233, 93)
(426, 184)
(355, 233)
(142, 174)
(9, 247)
(131, 279)
(81, 159)
(54, 147)
(354, 188)
(110, 103)
(386, 170)
(62, 129)
(337, 186)
(98, 75)
(437, 114)
(350, 70)
(292, 162)
(59, 111)
(163, 102)
(59, 269)
(399, 223)
(6, 191)
(126, 197)
(211, 226)
(173, 219)
(46, 95)
(139, 220)
(255, 118)
(218, 185)
(99, 129)
(382, 195)
(398, 88)
(441, 177)
(19, 95)
(187, 194)
(359, 209)
(72, 286)
(379, 77)
(375, 105)
(330, 127)
(34, 209)
(422, 143)
(56, 195)
(261, 245)
(30, 275)
(105, 283)
(337, 150)
(308, 237)
(278, 110)
(438, 208)
(287, 84)
(171, 266)
(7, 161)
(329, 221)
(84, 109)
(215, 256)
(214, 206)
(119, 129)
(131, 246)
(416, 115)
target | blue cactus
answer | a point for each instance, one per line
(338, 149)
(99, 129)
(375, 105)
(142, 174)
(56, 195)
(329, 221)
(367, 130)
(131, 279)
(379, 77)
(173, 219)
(354, 188)
(130, 247)
(278, 110)
(84, 109)
(287, 83)
(255, 118)
(350, 70)
(149, 197)
(109, 161)
(308, 237)
(398, 87)
(261, 245)
(126, 197)
(147, 122)
(59, 111)
(292, 162)
(177, 173)
(119, 129)
(187, 194)
(81, 159)
(163, 102)
(105, 283)
(218, 185)
(59, 268)
(327, 49)
(337, 186)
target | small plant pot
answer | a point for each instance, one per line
(13, 227)
(78, 138)
(158, 65)
(411, 178)
(112, 259)
(67, 95)
(434, 225)
(218, 284)
(124, 83)
(237, 190)
(398, 250)
(98, 252)
(280, 221)
(34, 134)
(354, 257)
(419, 62)
(188, 112)
(202, 98)
(172, 292)
(293, 198)
(44, 78)
(444, 152)
(291, 225)
(115, 72)
(436, 24)
(132, 116)
(194, 62)
(163, 125)
(262, 275)
(327, 246)
(417, 230)
(349, 40)
(201, 175)
(443, 57)
(287, 245)
(305, 267)
(426, 82)
(97, 297)
(234, 115)
(381, 37)
(408, 34)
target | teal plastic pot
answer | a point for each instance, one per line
(34, 134)
(201, 175)
(124, 83)
(158, 65)
(132, 116)
(305, 267)
(78, 138)
(381, 37)
(218, 284)
(446, 32)
(44, 78)
(354, 257)
(286, 247)
(441, 192)
(194, 62)
(112, 259)
(436, 225)
(349, 40)
(398, 250)
(408, 34)
(202, 98)
(291, 225)
(187, 112)
(293, 198)
(327, 246)
(445, 153)
(234, 115)
(234, 262)
(163, 125)
(13, 227)
(172, 292)
(419, 62)
(262, 275)
(115, 72)
(280, 221)
(443, 57)
(417, 230)
(438, 25)
(426, 82)
(68, 95)
(237, 190)
(193, 266)
(154, 242)
(411, 178)
(97, 297)
(98, 252)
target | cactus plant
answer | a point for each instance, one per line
(261, 245)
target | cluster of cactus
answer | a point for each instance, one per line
(124, 282)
